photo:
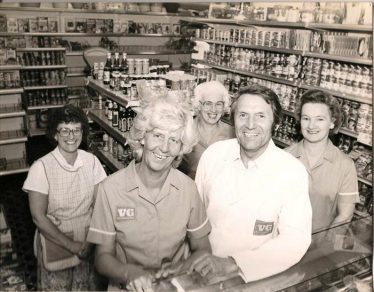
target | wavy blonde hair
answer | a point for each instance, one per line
(166, 114)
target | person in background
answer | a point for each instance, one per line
(211, 101)
(145, 212)
(61, 187)
(255, 194)
(333, 187)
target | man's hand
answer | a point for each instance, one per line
(207, 263)
(168, 269)
(138, 279)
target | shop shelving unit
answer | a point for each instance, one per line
(12, 130)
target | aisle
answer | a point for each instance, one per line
(17, 214)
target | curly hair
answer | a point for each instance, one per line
(67, 114)
(320, 96)
(165, 114)
(211, 88)
(267, 94)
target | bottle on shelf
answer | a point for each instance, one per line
(116, 63)
(115, 115)
(107, 70)
(110, 110)
(106, 144)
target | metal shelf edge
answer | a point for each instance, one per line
(12, 114)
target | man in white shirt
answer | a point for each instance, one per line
(256, 195)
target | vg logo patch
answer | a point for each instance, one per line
(125, 213)
(263, 228)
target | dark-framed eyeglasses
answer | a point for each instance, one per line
(208, 105)
(64, 132)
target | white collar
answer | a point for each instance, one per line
(62, 161)
(263, 159)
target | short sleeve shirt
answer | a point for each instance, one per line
(147, 232)
(333, 179)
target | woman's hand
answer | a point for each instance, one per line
(138, 279)
(168, 269)
(85, 250)
(75, 247)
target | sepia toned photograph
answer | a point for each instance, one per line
(186, 146)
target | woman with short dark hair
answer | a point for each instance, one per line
(61, 187)
(333, 186)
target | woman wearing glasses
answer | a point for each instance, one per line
(211, 101)
(61, 187)
(146, 213)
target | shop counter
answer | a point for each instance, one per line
(334, 256)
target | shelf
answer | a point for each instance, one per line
(11, 91)
(99, 117)
(209, 20)
(15, 138)
(361, 138)
(44, 67)
(339, 94)
(27, 88)
(348, 132)
(116, 96)
(41, 49)
(149, 52)
(244, 22)
(85, 34)
(365, 181)
(10, 67)
(80, 11)
(347, 59)
(36, 132)
(167, 52)
(74, 96)
(76, 74)
(12, 114)
(73, 53)
(251, 74)
(239, 45)
(15, 166)
(37, 107)
(45, 106)
(281, 143)
(108, 159)
(350, 27)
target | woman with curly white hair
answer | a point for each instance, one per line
(147, 213)
(211, 101)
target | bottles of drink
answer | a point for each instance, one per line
(110, 110)
(116, 63)
(124, 66)
(115, 114)
(107, 70)
(122, 119)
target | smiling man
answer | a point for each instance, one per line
(255, 194)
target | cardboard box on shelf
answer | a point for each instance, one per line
(33, 25)
(52, 24)
(12, 25)
(23, 25)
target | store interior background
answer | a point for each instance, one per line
(14, 202)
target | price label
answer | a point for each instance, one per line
(365, 138)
